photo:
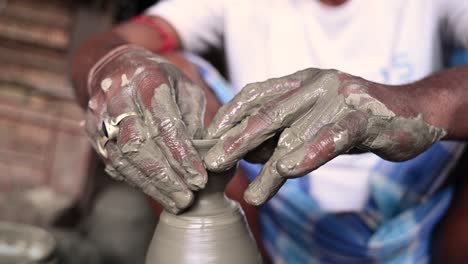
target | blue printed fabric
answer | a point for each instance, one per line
(404, 204)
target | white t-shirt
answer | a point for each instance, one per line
(387, 41)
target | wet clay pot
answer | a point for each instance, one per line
(213, 230)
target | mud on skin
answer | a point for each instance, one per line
(319, 114)
(150, 149)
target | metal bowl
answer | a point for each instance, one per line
(24, 244)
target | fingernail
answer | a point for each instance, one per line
(213, 161)
(253, 196)
(197, 182)
(285, 167)
(182, 199)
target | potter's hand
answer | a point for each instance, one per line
(319, 114)
(141, 118)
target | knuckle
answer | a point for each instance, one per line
(355, 121)
(273, 82)
(169, 126)
(136, 182)
(266, 117)
(146, 83)
(328, 74)
(131, 134)
(147, 187)
(131, 128)
(326, 135)
(336, 134)
(352, 87)
(130, 183)
(309, 72)
(158, 175)
(291, 138)
(250, 89)
(274, 115)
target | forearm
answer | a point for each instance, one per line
(151, 38)
(441, 99)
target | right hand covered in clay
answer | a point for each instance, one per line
(141, 119)
(318, 114)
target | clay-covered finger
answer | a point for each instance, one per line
(145, 155)
(259, 127)
(267, 184)
(190, 99)
(136, 178)
(330, 141)
(269, 181)
(167, 129)
(250, 98)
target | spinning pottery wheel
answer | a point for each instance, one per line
(213, 230)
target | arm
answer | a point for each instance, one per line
(319, 114)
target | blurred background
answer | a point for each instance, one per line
(48, 174)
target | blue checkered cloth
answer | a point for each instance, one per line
(404, 204)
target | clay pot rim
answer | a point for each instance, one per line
(199, 221)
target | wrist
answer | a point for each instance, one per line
(397, 99)
(411, 128)
(413, 101)
(434, 104)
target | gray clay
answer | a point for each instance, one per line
(319, 114)
(213, 230)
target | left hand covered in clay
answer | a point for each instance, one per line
(318, 114)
